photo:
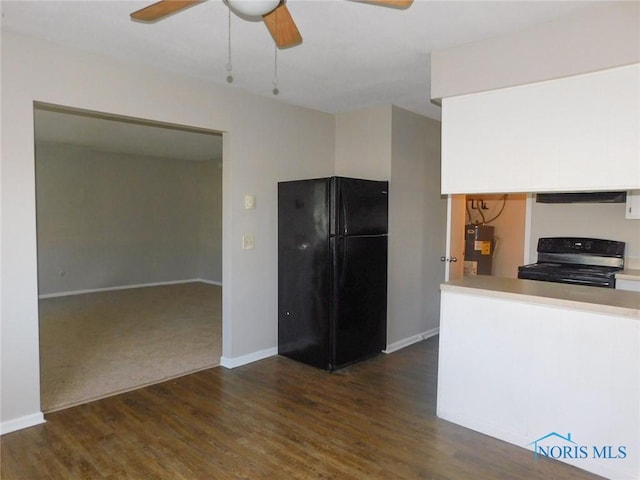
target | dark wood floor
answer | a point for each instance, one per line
(274, 419)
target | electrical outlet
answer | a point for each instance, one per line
(248, 242)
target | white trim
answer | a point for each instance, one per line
(528, 218)
(405, 342)
(22, 422)
(447, 246)
(234, 362)
(127, 287)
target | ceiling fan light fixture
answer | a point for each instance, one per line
(253, 8)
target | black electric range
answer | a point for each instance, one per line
(582, 261)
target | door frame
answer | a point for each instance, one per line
(454, 269)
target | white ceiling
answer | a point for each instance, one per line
(353, 55)
(119, 135)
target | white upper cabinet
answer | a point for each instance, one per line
(574, 133)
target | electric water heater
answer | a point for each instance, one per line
(478, 249)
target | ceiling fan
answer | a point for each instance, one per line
(274, 13)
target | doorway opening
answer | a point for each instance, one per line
(129, 222)
(486, 234)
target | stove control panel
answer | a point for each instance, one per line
(591, 246)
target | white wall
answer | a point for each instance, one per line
(517, 370)
(389, 143)
(417, 227)
(586, 41)
(210, 203)
(363, 144)
(264, 142)
(110, 220)
(596, 220)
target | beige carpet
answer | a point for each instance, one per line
(100, 344)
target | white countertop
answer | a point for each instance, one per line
(595, 299)
(629, 274)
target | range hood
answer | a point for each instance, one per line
(582, 197)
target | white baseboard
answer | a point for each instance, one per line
(127, 287)
(270, 352)
(234, 362)
(405, 342)
(22, 422)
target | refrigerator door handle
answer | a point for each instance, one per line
(341, 258)
(342, 242)
(344, 226)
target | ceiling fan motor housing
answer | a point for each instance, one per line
(253, 8)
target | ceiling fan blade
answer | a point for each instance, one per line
(161, 9)
(390, 3)
(282, 27)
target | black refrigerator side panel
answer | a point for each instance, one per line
(304, 265)
(359, 320)
(360, 206)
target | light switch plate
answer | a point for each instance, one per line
(248, 242)
(249, 202)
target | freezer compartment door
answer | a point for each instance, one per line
(304, 272)
(360, 207)
(359, 310)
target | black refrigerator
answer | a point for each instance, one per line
(332, 270)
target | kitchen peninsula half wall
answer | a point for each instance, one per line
(520, 360)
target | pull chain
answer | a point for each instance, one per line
(229, 67)
(275, 61)
(275, 72)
